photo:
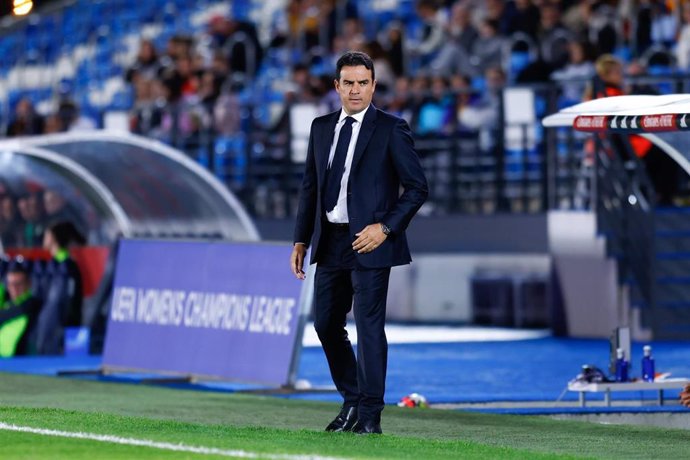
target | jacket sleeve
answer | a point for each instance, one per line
(306, 211)
(411, 174)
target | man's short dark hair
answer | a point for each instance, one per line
(19, 265)
(352, 59)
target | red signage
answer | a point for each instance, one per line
(591, 123)
(666, 122)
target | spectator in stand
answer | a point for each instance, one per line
(31, 212)
(181, 80)
(488, 49)
(499, 11)
(147, 64)
(53, 124)
(10, 223)
(454, 55)
(683, 48)
(226, 113)
(553, 37)
(19, 314)
(525, 18)
(26, 121)
(646, 10)
(59, 210)
(433, 32)
(436, 112)
(461, 86)
(353, 33)
(575, 75)
(149, 106)
(177, 46)
(385, 78)
(482, 114)
(301, 90)
(461, 29)
(393, 45)
(64, 296)
(209, 90)
(303, 23)
(72, 118)
(398, 100)
(239, 41)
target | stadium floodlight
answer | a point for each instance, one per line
(22, 7)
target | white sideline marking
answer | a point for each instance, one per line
(158, 445)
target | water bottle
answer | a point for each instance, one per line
(621, 366)
(647, 364)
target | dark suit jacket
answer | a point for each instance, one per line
(383, 161)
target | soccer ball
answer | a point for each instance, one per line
(413, 400)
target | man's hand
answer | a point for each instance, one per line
(685, 396)
(299, 250)
(369, 239)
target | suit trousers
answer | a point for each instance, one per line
(342, 285)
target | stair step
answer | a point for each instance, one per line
(672, 244)
(672, 268)
(672, 219)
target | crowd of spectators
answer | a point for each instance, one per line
(433, 68)
(438, 76)
(24, 218)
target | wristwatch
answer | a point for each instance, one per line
(385, 229)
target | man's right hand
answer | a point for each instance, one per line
(299, 250)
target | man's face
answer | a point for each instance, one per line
(17, 284)
(52, 202)
(356, 88)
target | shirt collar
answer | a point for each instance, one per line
(359, 117)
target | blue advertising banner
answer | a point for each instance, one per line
(219, 309)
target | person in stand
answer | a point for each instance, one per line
(351, 210)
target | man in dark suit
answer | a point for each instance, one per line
(353, 212)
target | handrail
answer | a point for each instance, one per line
(624, 204)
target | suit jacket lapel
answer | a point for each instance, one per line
(365, 132)
(324, 149)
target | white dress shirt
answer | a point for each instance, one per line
(339, 214)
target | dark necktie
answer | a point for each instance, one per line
(334, 174)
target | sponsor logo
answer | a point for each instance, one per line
(591, 123)
(658, 122)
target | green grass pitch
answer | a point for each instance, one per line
(270, 427)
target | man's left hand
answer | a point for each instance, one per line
(369, 239)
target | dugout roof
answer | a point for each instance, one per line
(665, 120)
(125, 184)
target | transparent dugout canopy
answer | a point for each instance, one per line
(122, 184)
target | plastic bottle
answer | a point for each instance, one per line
(647, 364)
(621, 366)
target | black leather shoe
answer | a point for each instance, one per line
(367, 427)
(345, 420)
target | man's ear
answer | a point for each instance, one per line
(336, 84)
